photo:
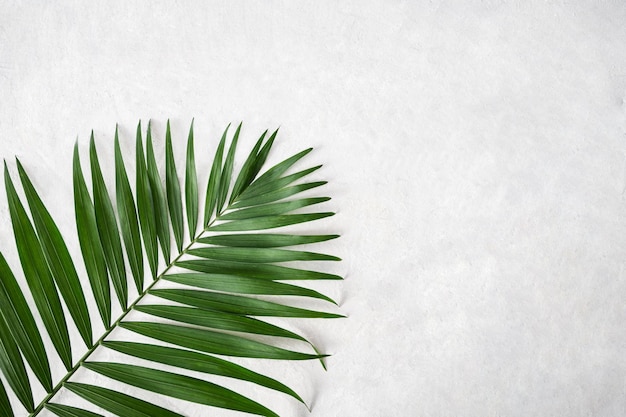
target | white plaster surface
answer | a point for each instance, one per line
(476, 158)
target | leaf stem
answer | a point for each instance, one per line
(108, 331)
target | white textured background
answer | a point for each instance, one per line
(476, 157)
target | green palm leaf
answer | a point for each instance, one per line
(174, 199)
(179, 386)
(158, 198)
(242, 285)
(198, 362)
(213, 342)
(90, 244)
(276, 194)
(38, 275)
(5, 404)
(237, 304)
(62, 410)
(13, 368)
(221, 273)
(128, 217)
(107, 228)
(227, 172)
(264, 240)
(263, 186)
(58, 258)
(214, 179)
(117, 403)
(21, 325)
(145, 207)
(251, 270)
(271, 175)
(191, 187)
(217, 320)
(246, 175)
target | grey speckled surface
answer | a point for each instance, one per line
(476, 154)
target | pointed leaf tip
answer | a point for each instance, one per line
(108, 228)
(57, 255)
(37, 274)
(128, 218)
(173, 193)
(158, 198)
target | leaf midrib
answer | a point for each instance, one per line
(108, 331)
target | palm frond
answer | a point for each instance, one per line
(145, 207)
(90, 243)
(108, 229)
(5, 405)
(213, 306)
(127, 213)
(191, 187)
(214, 183)
(158, 198)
